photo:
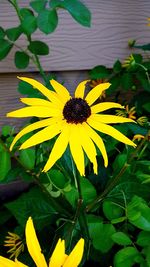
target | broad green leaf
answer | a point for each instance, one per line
(78, 11)
(14, 33)
(21, 60)
(126, 81)
(142, 78)
(147, 107)
(6, 130)
(33, 203)
(117, 67)
(5, 48)
(27, 158)
(47, 20)
(38, 48)
(27, 89)
(99, 72)
(57, 178)
(5, 164)
(139, 213)
(25, 12)
(29, 24)
(2, 33)
(143, 239)
(112, 210)
(101, 234)
(145, 47)
(125, 257)
(119, 162)
(38, 5)
(121, 239)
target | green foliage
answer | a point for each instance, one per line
(47, 20)
(38, 48)
(21, 60)
(5, 48)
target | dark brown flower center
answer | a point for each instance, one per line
(76, 110)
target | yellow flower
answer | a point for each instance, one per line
(14, 242)
(148, 23)
(143, 121)
(72, 119)
(58, 258)
(96, 82)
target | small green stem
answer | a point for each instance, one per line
(146, 71)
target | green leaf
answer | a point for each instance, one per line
(6, 130)
(142, 77)
(2, 33)
(112, 210)
(38, 48)
(101, 234)
(121, 239)
(143, 239)
(27, 158)
(27, 89)
(119, 162)
(117, 67)
(5, 48)
(126, 81)
(99, 72)
(139, 213)
(147, 107)
(29, 24)
(25, 12)
(38, 5)
(57, 178)
(145, 47)
(33, 203)
(14, 33)
(5, 164)
(78, 11)
(21, 60)
(47, 21)
(125, 257)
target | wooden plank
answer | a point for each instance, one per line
(74, 47)
(9, 96)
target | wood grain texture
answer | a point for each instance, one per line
(74, 47)
(9, 96)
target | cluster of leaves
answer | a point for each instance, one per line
(42, 15)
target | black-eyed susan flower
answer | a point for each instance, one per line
(58, 258)
(14, 243)
(74, 120)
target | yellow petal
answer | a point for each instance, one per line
(88, 146)
(98, 141)
(76, 149)
(33, 245)
(41, 112)
(19, 264)
(95, 93)
(39, 102)
(110, 118)
(52, 96)
(58, 255)
(75, 257)
(79, 92)
(32, 127)
(107, 129)
(4, 262)
(43, 135)
(104, 106)
(61, 91)
(59, 147)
